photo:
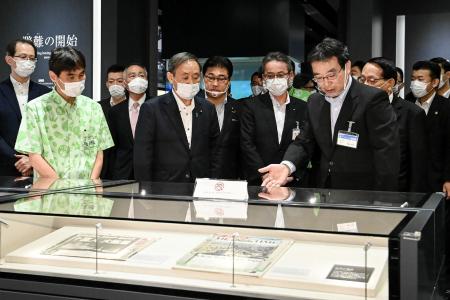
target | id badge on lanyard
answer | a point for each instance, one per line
(348, 138)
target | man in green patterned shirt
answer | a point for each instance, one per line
(63, 132)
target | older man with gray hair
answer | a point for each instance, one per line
(176, 133)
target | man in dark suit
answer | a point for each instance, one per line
(177, 132)
(217, 72)
(270, 121)
(15, 92)
(122, 119)
(381, 73)
(424, 83)
(352, 126)
(115, 82)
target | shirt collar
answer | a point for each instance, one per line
(223, 103)
(181, 104)
(276, 103)
(61, 101)
(17, 84)
(131, 101)
(428, 102)
(341, 97)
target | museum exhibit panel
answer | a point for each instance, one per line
(111, 240)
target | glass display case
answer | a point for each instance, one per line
(110, 240)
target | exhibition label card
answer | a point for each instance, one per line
(350, 273)
(220, 209)
(221, 189)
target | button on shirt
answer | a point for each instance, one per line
(186, 116)
(426, 105)
(336, 105)
(280, 114)
(67, 136)
(21, 90)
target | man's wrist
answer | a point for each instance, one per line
(289, 165)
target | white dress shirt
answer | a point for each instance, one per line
(336, 105)
(446, 94)
(21, 90)
(426, 105)
(186, 116)
(220, 110)
(280, 114)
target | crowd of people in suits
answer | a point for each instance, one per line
(339, 125)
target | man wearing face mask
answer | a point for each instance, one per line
(217, 72)
(256, 84)
(270, 122)
(177, 132)
(444, 82)
(123, 119)
(381, 73)
(115, 83)
(63, 132)
(351, 128)
(15, 92)
(424, 83)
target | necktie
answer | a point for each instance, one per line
(134, 116)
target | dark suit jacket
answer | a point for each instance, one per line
(227, 150)
(374, 164)
(162, 152)
(106, 105)
(411, 121)
(106, 172)
(10, 118)
(438, 128)
(259, 137)
(121, 155)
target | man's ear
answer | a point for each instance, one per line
(52, 75)
(170, 77)
(9, 60)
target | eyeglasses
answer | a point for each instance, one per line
(26, 57)
(220, 79)
(370, 80)
(332, 76)
(273, 76)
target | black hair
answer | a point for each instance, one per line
(328, 49)
(66, 59)
(11, 47)
(399, 71)
(115, 69)
(433, 68)
(136, 64)
(359, 63)
(218, 61)
(255, 74)
(387, 67)
(277, 56)
(301, 79)
(443, 63)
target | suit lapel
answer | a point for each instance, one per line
(126, 119)
(173, 113)
(269, 117)
(289, 123)
(32, 91)
(196, 119)
(396, 104)
(324, 127)
(10, 96)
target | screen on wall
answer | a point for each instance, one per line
(49, 24)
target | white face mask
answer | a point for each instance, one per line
(138, 85)
(257, 90)
(72, 89)
(276, 86)
(215, 94)
(116, 90)
(24, 68)
(441, 82)
(419, 88)
(187, 90)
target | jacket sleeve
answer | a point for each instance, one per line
(383, 134)
(144, 143)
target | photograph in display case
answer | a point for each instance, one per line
(109, 246)
(350, 273)
(252, 255)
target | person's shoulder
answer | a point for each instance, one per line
(41, 100)
(42, 88)
(297, 102)
(411, 107)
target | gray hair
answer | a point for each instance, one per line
(277, 56)
(180, 58)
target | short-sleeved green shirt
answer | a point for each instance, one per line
(67, 136)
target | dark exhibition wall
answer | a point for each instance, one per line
(49, 23)
(236, 28)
